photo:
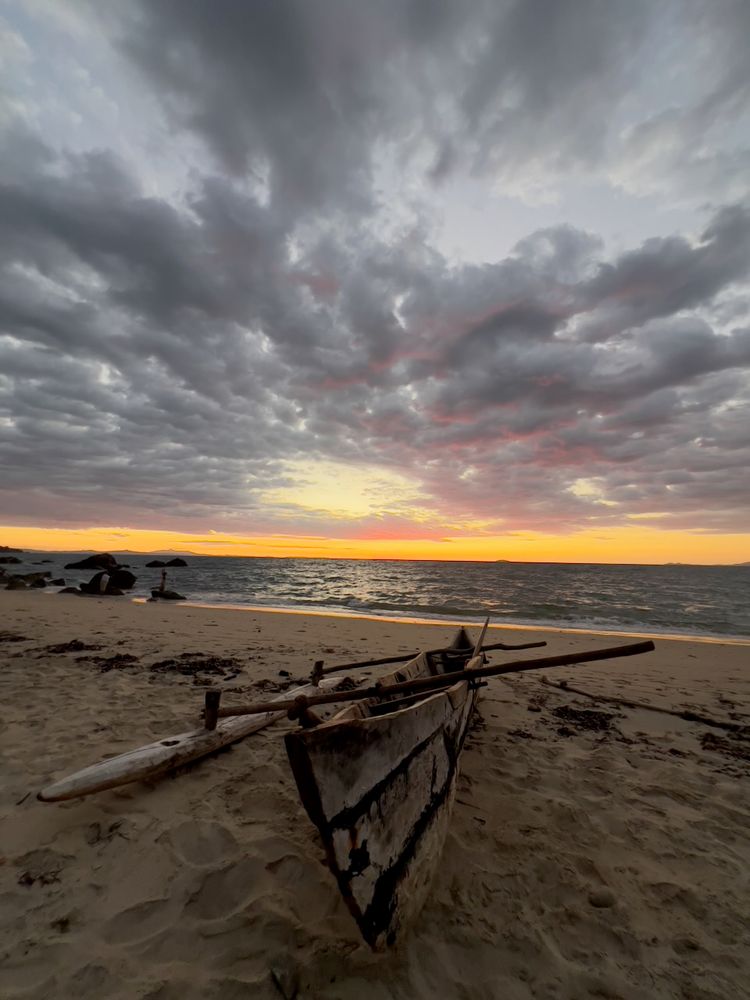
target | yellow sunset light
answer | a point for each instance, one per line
(636, 544)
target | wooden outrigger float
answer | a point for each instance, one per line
(378, 779)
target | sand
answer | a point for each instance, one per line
(580, 862)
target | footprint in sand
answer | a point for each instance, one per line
(139, 922)
(228, 890)
(202, 844)
(310, 894)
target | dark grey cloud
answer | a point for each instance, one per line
(156, 354)
(163, 354)
(310, 95)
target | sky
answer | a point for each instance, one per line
(429, 278)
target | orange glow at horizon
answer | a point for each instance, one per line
(611, 545)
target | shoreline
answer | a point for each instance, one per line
(455, 622)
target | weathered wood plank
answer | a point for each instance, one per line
(380, 790)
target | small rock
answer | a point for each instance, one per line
(284, 673)
(166, 595)
(602, 898)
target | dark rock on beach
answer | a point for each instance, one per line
(31, 578)
(70, 590)
(10, 559)
(101, 561)
(14, 583)
(38, 583)
(176, 562)
(122, 578)
(58, 583)
(167, 595)
(119, 580)
(155, 564)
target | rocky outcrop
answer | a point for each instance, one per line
(10, 559)
(14, 583)
(57, 583)
(70, 590)
(123, 579)
(118, 581)
(166, 595)
(38, 583)
(155, 564)
(101, 561)
(176, 562)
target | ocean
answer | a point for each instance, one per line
(673, 600)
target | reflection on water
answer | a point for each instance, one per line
(692, 600)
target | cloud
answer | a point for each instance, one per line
(172, 353)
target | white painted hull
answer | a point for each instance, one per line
(380, 789)
(170, 752)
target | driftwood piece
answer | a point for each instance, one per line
(474, 671)
(404, 657)
(686, 714)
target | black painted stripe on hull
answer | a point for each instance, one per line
(378, 917)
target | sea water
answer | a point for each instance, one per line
(672, 599)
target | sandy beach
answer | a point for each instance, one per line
(581, 862)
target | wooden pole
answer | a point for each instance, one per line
(294, 708)
(317, 672)
(447, 650)
(211, 713)
(480, 640)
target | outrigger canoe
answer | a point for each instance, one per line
(378, 780)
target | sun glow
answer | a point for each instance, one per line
(637, 544)
(343, 491)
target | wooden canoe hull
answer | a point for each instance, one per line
(380, 789)
(168, 753)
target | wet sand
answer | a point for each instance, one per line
(588, 856)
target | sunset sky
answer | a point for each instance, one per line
(436, 279)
